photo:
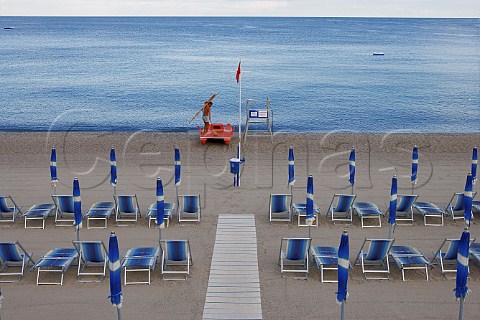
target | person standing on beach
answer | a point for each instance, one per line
(206, 116)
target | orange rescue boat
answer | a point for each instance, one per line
(217, 131)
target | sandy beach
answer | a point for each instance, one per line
(444, 161)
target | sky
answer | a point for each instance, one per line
(279, 8)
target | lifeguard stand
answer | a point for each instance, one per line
(260, 118)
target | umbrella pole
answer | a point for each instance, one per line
(77, 232)
(352, 188)
(413, 187)
(390, 231)
(309, 231)
(119, 316)
(460, 313)
(342, 309)
(159, 233)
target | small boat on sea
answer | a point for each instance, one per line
(8, 28)
(378, 54)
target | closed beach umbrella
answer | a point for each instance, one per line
(178, 170)
(113, 170)
(53, 170)
(160, 208)
(468, 198)
(115, 276)
(392, 209)
(414, 177)
(343, 265)
(461, 289)
(291, 168)
(178, 167)
(310, 217)
(474, 165)
(77, 207)
(351, 166)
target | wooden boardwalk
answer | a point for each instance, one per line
(234, 284)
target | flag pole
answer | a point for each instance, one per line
(239, 122)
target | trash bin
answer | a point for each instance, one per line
(235, 165)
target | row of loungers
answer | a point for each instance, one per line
(125, 208)
(343, 206)
(374, 257)
(92, 258)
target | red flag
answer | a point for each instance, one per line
(238, 72)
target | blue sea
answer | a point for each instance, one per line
(142, 73)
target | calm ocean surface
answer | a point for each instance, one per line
(128, 74)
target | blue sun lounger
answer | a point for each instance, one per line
(189, 208)
(409, 258)
(376, 256)
(430, 210)
(8, 213)
(448, 257)
(176, 258)
(280, 207)
(326, 258)
(293, 257)
(475, 251)
(57, 260)
(141, 259)
(300, 209)
(368, 210)
(456, 204)
(13, 254)
(100, 211)
(38, 212)
(152, 213)
(64, 215)
(92, 255)
(343, 208)
(127, 208)
(405, 207)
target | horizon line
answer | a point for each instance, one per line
(232, 16)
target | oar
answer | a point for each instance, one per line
(209, 100)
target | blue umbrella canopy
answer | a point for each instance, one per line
(160, 204)
(291, 167)
(309, 203)
(77, 204)
(414, 177)
(461, 289)
(343, 265)
(468, 199)
(178, 167)
(474, 165)
(392, 209)
(53, 167)
(351, 166)
(113, 168)
(115, 276)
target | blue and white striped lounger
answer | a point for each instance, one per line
(368, 210)
(100, 211)
(300, 209)
(343, 210)
(57, 260)
(12, 254)
(293, 255)
(405, 207)
(456, 204)
(142, 259)
(92, 254)
(189, 208)
(430, 210)
(127, 208)
(8, 213)
(376, 256)
(326, 258)
(38, 212)
(448, 257)
(280, 207)
(64, 215)
(152, 213)
(475, 251)
(177, 254)
(409, 258)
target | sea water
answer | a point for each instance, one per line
(141, 73)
